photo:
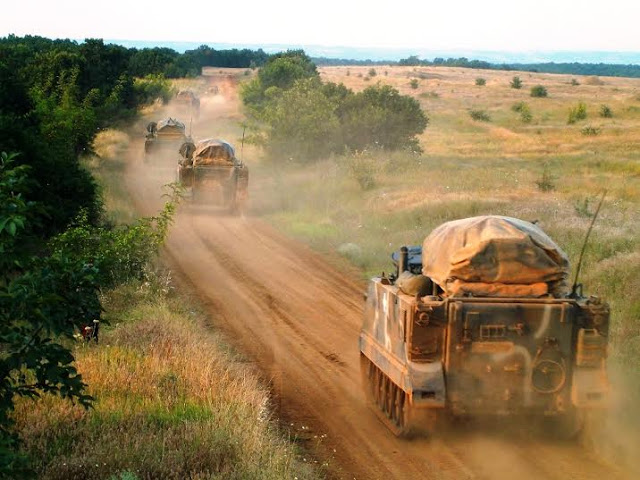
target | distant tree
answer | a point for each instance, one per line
(539, 91)
(605, 111)
(380, 116)
(372, 72)
(516, 83)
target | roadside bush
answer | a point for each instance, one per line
(605, 111)
(414, 83)
(539, 91)
(577, 113)
(479, 115)
(481, 82)
(516, 83)
(363, 170)
(372, 72)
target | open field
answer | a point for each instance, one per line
(298, 317)
(545, 170)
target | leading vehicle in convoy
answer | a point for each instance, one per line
(212, 174)
(480, 321)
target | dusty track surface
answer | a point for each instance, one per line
(298, 319)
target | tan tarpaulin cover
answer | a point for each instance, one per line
(213, 152)
(170, 125)
(494, 256)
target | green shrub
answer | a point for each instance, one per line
(372, 72)
(481, 82)
(590, 131)
(546, 182)
(525, 112)
(151, 88)
(577, 113)
(605, 111)
(539, 91)
(516, 83)
(479, 115)
(574, 82)
(414, 83)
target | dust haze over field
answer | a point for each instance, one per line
(297, 314)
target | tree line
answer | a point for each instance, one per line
(573, 68)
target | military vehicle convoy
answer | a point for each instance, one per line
(212, 174)
(164, 136)
(480, 321)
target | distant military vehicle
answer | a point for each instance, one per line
(164, 136)
(212, 174)
(480, 321)
(190, 101)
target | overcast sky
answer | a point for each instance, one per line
(511, 25)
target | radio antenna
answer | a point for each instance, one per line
(244, 128)
(574, 288)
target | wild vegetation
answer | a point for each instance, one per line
(538, 169)
(300, 117)
(69, 409)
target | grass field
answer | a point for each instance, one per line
(366, 205)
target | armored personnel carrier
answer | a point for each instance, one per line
(190, 102)
(480, 321)
(164, 136)
(212, 174)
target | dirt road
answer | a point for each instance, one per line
(298, 319)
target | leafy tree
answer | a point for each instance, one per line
(302, 121)
(279, 73)
(516, 83)
(380, 116)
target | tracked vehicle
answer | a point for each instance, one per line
(212, 174)
(189, 101)
(164, 138)
(480, 321)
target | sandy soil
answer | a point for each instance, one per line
(298, 319)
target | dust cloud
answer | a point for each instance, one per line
(267, 292)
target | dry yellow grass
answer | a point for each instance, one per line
(545, 170)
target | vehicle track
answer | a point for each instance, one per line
(298, 319)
